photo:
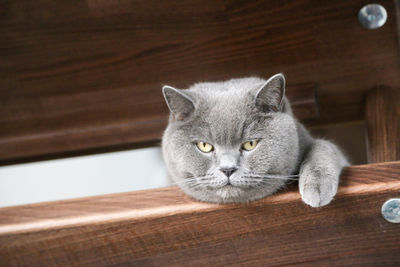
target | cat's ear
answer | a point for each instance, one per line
(179, 103)
(270, 96)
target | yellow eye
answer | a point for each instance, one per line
(249, 145)
(204, 147)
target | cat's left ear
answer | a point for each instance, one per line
(179, 103)
(270, 96)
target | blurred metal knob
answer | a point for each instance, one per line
(372, 16)
(391, 210)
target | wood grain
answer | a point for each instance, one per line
(84, 75)
(164, 227)
(383, 124)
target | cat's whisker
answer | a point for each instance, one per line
(183, 183)
(269, 173)
(190, 181)
(198, 177)
(271, 178)
(272, 175)
(196, 185)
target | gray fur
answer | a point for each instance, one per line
(227, 114)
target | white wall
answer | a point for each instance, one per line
(82, 176)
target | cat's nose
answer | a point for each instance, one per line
(228, 171)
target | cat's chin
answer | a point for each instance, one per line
(228, 194)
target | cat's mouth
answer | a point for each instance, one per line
(229, 185)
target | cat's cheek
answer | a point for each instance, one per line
(282, 157)
(189, 159)
(257, 161)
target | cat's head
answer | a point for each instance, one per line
(231, 141)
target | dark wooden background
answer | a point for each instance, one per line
(84, 76)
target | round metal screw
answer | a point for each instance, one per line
(391, 210)
(372, 16)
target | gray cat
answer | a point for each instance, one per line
(238, 141)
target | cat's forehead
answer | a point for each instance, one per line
(227, 126)
(226, 109)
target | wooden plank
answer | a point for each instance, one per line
(105, 136)
(382, 115)
(81, 75)
(164, 227)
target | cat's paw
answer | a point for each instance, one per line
(317, 188)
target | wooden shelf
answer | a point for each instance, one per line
(165, 227)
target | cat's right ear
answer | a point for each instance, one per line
(179, 103)
(270, 95)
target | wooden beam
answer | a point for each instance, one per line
(103, 138)
(164, 227)
(382, 117)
